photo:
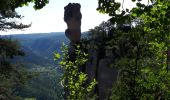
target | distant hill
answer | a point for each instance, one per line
(40, 47)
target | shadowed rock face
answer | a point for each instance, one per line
(106, 78)
(72, 17)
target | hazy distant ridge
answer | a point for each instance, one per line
(40, 47)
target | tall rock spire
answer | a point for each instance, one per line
(72, 17)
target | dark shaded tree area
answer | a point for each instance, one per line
(139, 40)
(8, 49)
(12, 75)
(143, 64)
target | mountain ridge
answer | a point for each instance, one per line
(40, 47)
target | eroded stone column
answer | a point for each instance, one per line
(72, 17)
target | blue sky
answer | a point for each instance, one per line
(50, 18)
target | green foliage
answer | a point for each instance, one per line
(74, 78)
(44, 85)
(142, 62)
(143, 67)
(7, 10)
(12, 4)
(141, 52)
(11, 74)
(57, 56)
(29, 99)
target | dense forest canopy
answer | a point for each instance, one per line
(145, 70)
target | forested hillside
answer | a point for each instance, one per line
(39, 60)
(40, 48)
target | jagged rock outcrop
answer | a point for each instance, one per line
(72, 17)
(92, 64)
(99, 68)
(107, 76)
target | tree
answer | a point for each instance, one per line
(12, 75)
(8, 13)
(74, 78)
(142, 51)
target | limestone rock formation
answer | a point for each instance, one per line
(99, 69)
(92, 64)
(72, 16)
(106, 78)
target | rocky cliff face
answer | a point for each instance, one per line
(72, 17)
(99, 68)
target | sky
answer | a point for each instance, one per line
(50, 18)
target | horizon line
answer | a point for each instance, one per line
(35, 33)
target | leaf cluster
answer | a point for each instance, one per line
(74, 78)
(8, 13)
